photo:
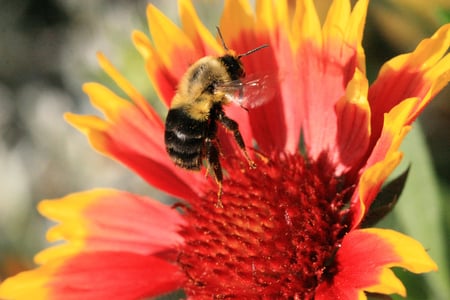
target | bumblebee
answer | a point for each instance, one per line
(197, 109)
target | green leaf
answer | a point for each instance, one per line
(420, 213)
(385, 201)
(443, 15)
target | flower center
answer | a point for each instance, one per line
(275, 237)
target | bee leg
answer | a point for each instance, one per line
(234, 127)
(212, 155)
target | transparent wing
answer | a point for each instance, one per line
(250, 92)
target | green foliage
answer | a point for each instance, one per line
(443, 15)
(421, 214)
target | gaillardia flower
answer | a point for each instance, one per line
(289, 228)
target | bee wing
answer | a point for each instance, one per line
(253, 91)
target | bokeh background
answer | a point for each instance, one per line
(47, 51)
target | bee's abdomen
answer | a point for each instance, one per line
(184, 138)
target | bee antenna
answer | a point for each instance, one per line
(243, 54)
(253, 50)
(221, 38)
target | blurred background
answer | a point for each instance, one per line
(47, 51)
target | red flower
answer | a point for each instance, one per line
(290, 228)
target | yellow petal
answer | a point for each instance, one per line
(65, 250)
(86, 124)
(106, 100)
(237, 17)
(355, 30)
(72, 227)
(373, 177)
(414, 257)
(389, 284)
(395, 125)
(26, 285)
(343, 29)
(143, 44)
(411, 256)
(196, 30)
(431, 50)
(428, 66)
(439, 75)
(385, 156)
(306, 24)
(272, 15)
(337, 18)
(124, 84)
(166, 36)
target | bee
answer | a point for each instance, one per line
(197, 109)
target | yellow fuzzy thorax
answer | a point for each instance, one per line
(193, 94)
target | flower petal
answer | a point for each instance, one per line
(306, 24)
(135, 139)
(369, 185)
(272, 15)
(325, 67)
(422, 74)
(237, 18)
(359, 272)
(275, 125)
(136, 136)
(117, 247)
(383, 159)
(162, 79)
(282, 132)
(26, 285)
(127, 87)
(99, 275)
(109, 220)
(196, 31)
(163, 32)
(349, 25)
(237, 25)
(172, 50)
(353, 124)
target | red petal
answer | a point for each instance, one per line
(110, 220)
(275, 125)
(136, 223)
(357, 269)
(421, 73)
(93, 276)
(383, 159)
(353, 125)
(327, 60)
(364, 262)
(321, 84)
(136, 140)
(106, 275)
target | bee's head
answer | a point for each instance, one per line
(232, 62)
(233, 65)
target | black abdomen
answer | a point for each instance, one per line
(184, 138)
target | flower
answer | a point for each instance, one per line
(290, 228)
